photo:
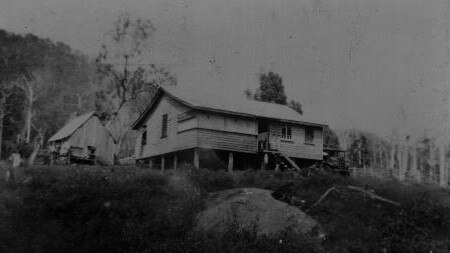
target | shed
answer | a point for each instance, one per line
(88, 136)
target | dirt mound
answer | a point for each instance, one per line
(252, 207)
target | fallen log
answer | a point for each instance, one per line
(357, 189)
(324, 196)
(372, 195)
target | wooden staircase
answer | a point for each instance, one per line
(290, 161)
(284, 162)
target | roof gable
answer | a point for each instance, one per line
(71, 127)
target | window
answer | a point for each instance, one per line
(286, 131)
(186, 116)
(91, 152)
(309, 135)
(164, 126)
(144, 138)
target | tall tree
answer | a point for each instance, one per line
(330, 140)
(40, 71)
(12, 65)
(127, 79)
(32, 86)
(271, 88)
(5, 92)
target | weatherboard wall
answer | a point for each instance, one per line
(93, 133)
(200, 129)
(175, 140)
(296, 146)
(226, 132)
(188, 128)
(227, 123)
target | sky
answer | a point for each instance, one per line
(380, 66)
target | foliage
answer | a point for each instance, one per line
(359, 224)
(366, 149)
(120, 68)
(296, 106)
(271, 90)
(209, 180)
(35, 74)
(128, 82)
(84, 210)
(238, 239)
(125, 209)
(330, 140)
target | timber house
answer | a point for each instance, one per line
(217, 132)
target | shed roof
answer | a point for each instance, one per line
(71, 127)
(210, 101)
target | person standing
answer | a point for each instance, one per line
(53, 153)
(15, 161)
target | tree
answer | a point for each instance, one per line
(330, 139)
(119, 64)
(271, 88)
(127, 80)
(38, 72)
(32, 86)
(296, 106)
(5, 92)
(12, 65)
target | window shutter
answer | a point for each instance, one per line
(164, 126)
(144, 138)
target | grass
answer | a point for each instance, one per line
(127, 209)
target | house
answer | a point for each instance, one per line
(187, 126)
(85, 138)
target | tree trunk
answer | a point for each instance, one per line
(414, 168)
(34, 154)
(27, 87)
(120, 141)
(403, 162)
(442, 169)
(29, 112)
(374, 155)
(431, 161)
(361, 165)
(38, 144)
(392, 165)
(2, 115)
(28, 125)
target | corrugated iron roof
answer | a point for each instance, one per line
(236, 105)
(71, 127)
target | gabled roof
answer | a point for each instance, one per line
(71, 127)
(241, 106)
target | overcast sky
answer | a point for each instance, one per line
(376, 65)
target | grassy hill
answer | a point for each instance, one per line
(127, 209)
